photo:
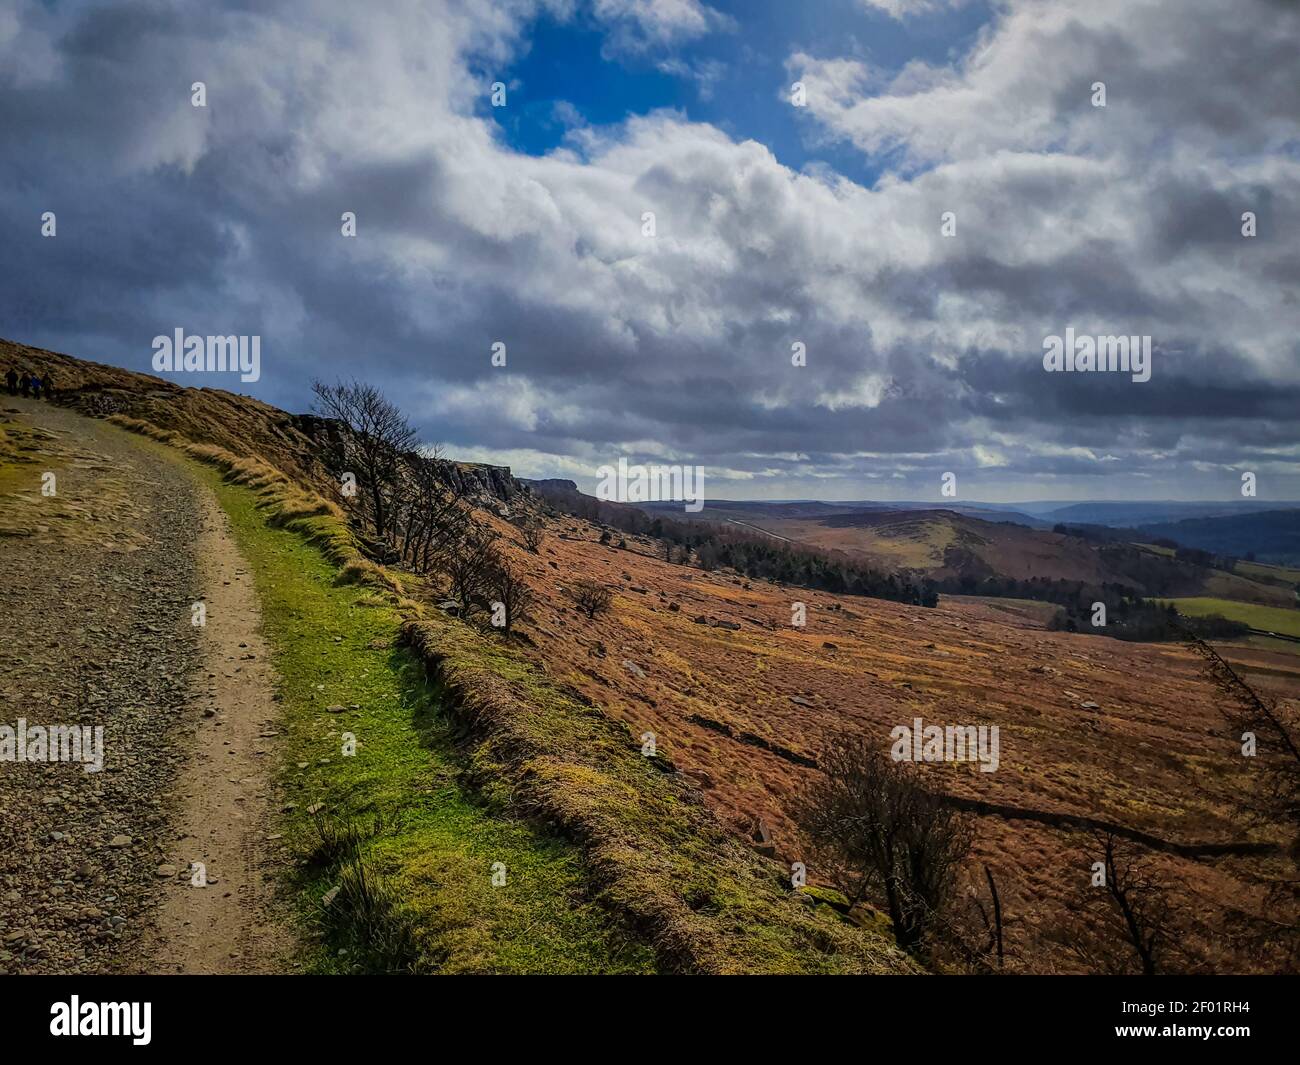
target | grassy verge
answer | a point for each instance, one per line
(421, 897)
(704, 899)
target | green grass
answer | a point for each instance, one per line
(1157, 549)
(423, 897)
(1263, 571)
(1268, 618)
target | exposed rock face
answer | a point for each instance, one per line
(477, 482)
(495, 482)
(555, 483)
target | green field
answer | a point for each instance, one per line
(1157, 549)
(1269, 618)
(1260, 571)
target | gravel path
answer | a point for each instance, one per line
(97, 585)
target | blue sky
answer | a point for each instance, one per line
(732, 78)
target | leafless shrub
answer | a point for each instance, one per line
(591, 597)
(1277, 741)
(1123, 918)
(1274, 798)
(875, 830)
(470, 563)
(432, 515)
(514, 595)
(531, 531)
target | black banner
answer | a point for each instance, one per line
(1219, 1015)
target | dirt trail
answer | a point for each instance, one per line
(97, 588)
(224, 793)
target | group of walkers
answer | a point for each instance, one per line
(32, 384)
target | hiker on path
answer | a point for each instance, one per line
(48, 385)
(36, 386)
(26, 382)
(11, 378)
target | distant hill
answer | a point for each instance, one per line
(1271, 536)
(985, 551)
(1156, 512)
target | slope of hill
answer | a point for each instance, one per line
(695, 845)
(945, 545)
(741, 701)
(1271, 536)
(292, 443)
(489, 763)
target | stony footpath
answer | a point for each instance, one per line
(97, 584)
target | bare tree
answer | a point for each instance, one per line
(1277, 740)
(874, 828)
(1124, 916)
(514, 595)
(591, 597)
(470, 563)
(432, 516)
(379, 435)
(1273, 798)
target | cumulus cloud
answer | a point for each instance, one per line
(639, 25)
(923, 350)
(902, 9)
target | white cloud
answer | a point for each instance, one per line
(867, 392)
(902, 9)
(641, 24)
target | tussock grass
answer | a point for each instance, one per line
(368, 916)
(701, 897)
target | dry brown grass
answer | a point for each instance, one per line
(657, 854)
